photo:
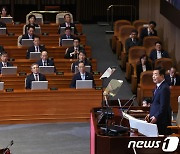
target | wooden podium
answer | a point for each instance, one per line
(121, 144)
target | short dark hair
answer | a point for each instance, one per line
(4, 53)
(158, 42)
(30, 27)
(67, 15)
(144, 55)
(152, 22)
(134, 31)
(32, 15)
(161, 70)
(36, 37)
(68, 28)
(82, 51)
(77, 38)
(80, 63)
(4, 7)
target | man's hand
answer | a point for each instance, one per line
(153, 120)
(147, 118)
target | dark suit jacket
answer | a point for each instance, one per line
(49, 63)
(32, 49)
(139, 70)
(77, 76)
(71, 25)
(26, 27)
(8, 64)
(30, 78)
(86, 63)
(129, 43)
(168, 80)
(161, 109)
(25, 36)
(153, 54)
(70, 50)
(64, 37)
(144, 33)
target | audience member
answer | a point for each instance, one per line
(72, 52)
(82, 58)
(149, 31)
(142, 66)
(173, 79)
(4, 12)
(67, 23)
(36, 47)
(32, 22)
(4, 60)
(34, 76)
(82, 75)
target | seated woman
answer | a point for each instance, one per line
(4, 12)
(32, 22)
(142, 66)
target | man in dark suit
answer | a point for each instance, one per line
(173, 79)
(160, 110)
(82, 58)
(158, 52)
(149, 31)
(4, 60)
(72, 52)
(82, 75)
(132, 41)
(67, 23)
(29, 35)
(36, 47)
(67, 35)
(34, 76)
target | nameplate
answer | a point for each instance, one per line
(45, 34)
(53, 88)
(59, 73)
(51, 58)
(98, 88)
(96, 73)
(9, 90)
(11, 59)
(22, 73)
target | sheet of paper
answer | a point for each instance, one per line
(107, 73)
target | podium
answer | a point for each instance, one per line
(122, 143)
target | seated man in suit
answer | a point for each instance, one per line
(82, 75)
(149, 31)
(32, 22)
(158, 52)
(34, 76)
(4, 60)
(36, 47)
(160, 108)
(132, 41)
(82, 58)
(72, 52)
(67, 35)
(29, 35)
(173, 79)
(67, 23)
(45, 61)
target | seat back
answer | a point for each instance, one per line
(135, 53)
(118, 24)
(166, 63)
(61, 15)
(125, 31)
(38, 15)
(146, 79)
(138, 23)
(149, 41)
(178, 115)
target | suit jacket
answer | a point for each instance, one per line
(30, 78)
(77, 76)
(153, 54)
(161, 109)
(144, 33)
(86, 63)
(32, 49)
(71, 25)
(129, 43)
(139, 70)
(168, 80)
(49, 63)
(70, 50)
(8, 64)
(25, 36)
(64, 37)
(1, 49)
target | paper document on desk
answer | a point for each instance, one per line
(147, 129)
(107, 73)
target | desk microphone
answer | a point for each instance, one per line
(6, 150)
(132, 98)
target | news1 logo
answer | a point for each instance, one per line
(169, 144)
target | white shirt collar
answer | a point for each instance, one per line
(158, 84)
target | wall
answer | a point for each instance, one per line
(169, 33)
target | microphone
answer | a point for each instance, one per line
(6, 150)
(132, 97)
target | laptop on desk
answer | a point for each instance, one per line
(38, 30)
(83, 84)
(35, 55)
(62, 31)
(67, 42)
(3, 31)
(39, 85)
(7, 20)
(9, 70)
(87, 69)
(46, 69)
(27, 42)
(1, 85)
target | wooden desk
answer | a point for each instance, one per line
(102, 144)
(63, 105)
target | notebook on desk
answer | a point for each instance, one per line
(2, 31)
(6, 20)
(39, 85)
(87, 69)
(62, 31)
(46, 69)
(35, 55)
(67, 42)
(27, 42)
(81, 84)
(12, 70)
